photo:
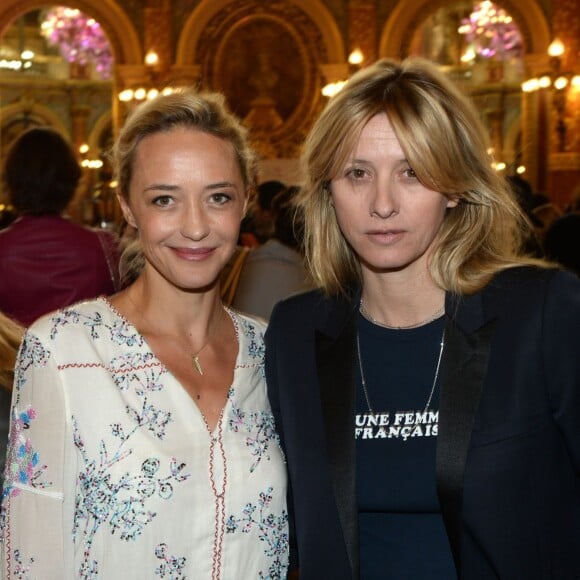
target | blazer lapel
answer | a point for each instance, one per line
(335, 362)
(463, 369)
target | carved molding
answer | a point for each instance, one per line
(205, 12)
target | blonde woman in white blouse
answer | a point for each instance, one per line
(142, 443)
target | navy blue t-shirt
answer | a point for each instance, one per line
(402, 536)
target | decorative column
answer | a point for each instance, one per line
(535, 127)
(564, 165)
(158, 34)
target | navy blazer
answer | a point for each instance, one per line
(508, 447)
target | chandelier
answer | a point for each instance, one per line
(79, 38)
(491, 32)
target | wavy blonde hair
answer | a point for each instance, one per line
(445, 143)
(11, 334)
(201, 111)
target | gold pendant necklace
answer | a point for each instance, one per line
(194, 357)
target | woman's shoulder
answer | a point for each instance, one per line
(534, 279)
(533, 292)
(304, 301)
(312, 309)
(79, 319)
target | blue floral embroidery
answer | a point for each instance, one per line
(256, 348)
(120, 331)
(272, 530)
(63, 318)
(31, 353)
(171, 566)
(23, 463)
(119, 504)
(261, 432)
(140, 370)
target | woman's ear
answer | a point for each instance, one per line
(126, 209)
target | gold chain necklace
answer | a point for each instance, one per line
(194, 357)
(364, 383)
(427, 320)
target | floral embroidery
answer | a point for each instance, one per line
(31, 353)
(171, 566)
(256, 348)
(22, 466)
(272, 530)
(120, 504)
(63, 318)
(21, 569)
(120, 331)
(261, 432)
(141, 370)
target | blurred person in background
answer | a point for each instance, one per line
(47, 261)
(562, 241)
(275, 269)
(258, 225)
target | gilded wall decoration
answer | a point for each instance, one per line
(260, 62)
(265, 58)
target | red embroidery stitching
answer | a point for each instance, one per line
(101, 365)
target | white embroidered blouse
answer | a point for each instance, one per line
(113, 473)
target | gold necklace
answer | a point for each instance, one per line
(194, 357)
(427, 320)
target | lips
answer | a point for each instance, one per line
(386, 237)
(193, 254)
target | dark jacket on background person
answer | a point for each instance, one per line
(48, 262)
(508, 447)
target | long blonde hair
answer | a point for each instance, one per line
(445, 142)
(10, 337)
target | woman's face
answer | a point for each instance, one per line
(388, 217)
(186, 199)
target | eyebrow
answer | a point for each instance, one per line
(220, 185)
(363, 161)
(168, 187)
(160, 186)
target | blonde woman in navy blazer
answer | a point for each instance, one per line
(428, 394)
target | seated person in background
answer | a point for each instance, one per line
(562, 242)
(545, 213)
(46, 261)
(274, 270)
(258, 225)
(10, 338)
